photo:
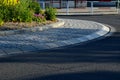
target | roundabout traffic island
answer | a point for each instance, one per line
(59, 35)
(25, 18)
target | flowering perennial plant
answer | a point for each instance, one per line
(10, 2)
(39, 18)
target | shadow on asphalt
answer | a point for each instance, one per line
(102, 51)
(102, 75)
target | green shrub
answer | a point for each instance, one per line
(42, 12)
(23, 13)
(1, 13)
(6, 14)
(37, 10)
(50, 14)
(35, 6)
(1, 22)
(19, 12)
(24, 16)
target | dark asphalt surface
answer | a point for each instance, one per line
(96, 60)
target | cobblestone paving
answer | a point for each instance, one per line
(32, 41)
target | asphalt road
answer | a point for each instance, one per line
(96, 60)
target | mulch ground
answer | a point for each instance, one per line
(19, 25)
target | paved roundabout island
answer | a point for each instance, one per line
(64, 33)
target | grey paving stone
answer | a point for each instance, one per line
(60, 44)
(52, 45)
(92, 36)
(65, 42)
(68, 42)
(2, 33)
(41, 46)
(75, 41)
(100, 33)
(11, 51)
(2, 53)
(26, 48)
(9, 32)
(82, 39)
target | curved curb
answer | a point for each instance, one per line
(36, 47)
(34, 29)
(58, 24)
(104, 31)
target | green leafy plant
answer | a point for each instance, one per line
(42, 12)
(50, 14)
(35, 6)
(23, 13)
(1, 22)
(1, 13)
(1, 18)
(6, 14)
